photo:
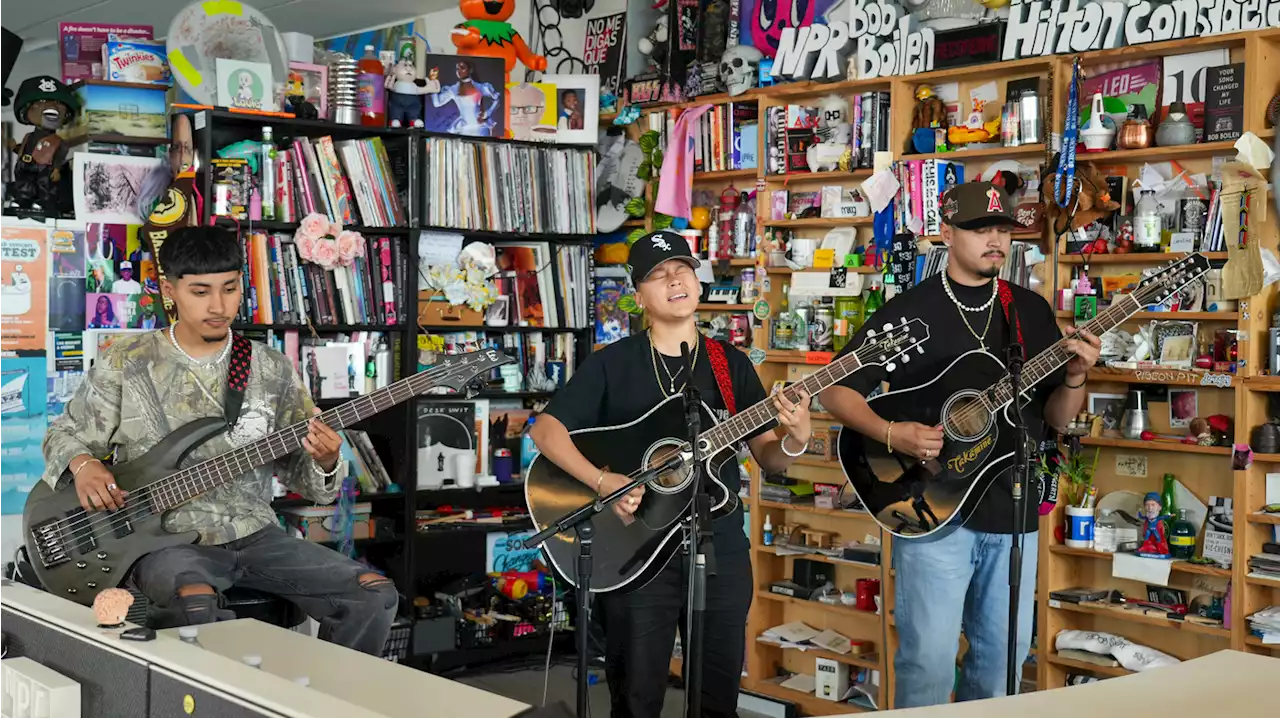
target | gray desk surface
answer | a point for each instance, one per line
(342, 682)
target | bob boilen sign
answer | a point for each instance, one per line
(877, 38)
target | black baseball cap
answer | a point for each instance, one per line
(974, 205)
(655, 248)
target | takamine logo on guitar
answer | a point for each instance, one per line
(957, 463)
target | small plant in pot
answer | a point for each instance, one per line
(1077, 488)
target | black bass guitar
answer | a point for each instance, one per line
(913, 499)
(627, 556)
(77, 554)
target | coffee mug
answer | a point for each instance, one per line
(867, 590)
(800, 251)
(464, 470)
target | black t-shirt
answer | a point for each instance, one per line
(948, 339)
(617, 385)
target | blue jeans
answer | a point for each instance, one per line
(961, 580)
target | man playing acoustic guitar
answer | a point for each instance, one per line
(961, 578)
(150, 384)
(623, 382)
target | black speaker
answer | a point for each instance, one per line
(812, 574)
(111, 684)
(170, 696)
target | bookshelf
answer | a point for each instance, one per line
(1204, 470)
(390, 432)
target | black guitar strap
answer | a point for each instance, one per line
(237, 377)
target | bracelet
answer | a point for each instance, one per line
(783, 443)
(599, 481)
(1076, 386)
(83, 464)
(888, 438)
(330, 473)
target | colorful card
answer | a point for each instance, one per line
(245, 85)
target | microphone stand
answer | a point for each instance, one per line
(1016, 357)
(697, 546)
(579, 521)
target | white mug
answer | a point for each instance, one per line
(801, 251)
(464, 470)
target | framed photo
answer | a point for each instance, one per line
(464, 95)
(108, 188)
(312, 82)
(1183, 407)
(1108, 406)
(577, 108)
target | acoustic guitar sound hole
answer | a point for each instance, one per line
(965, 417)
(667, 481)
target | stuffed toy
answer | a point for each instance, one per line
(486, 33)
(1090, 202)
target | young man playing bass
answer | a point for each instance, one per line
(621, 383)
(960, 578)
(151, 384)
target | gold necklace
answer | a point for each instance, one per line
(982, 339)
(653, 357)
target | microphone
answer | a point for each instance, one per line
(1015, 356)
(688, 363)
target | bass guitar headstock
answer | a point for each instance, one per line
(459, 371)
(893, 342)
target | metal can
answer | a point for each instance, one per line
(820, 328)
(740, 330)
(846, 324)
(749, 292)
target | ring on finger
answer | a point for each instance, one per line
(111, 487)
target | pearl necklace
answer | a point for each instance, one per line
(946, 284)
(216, 360)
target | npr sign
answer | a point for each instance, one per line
(34, 691)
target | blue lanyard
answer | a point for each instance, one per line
(1067, 158)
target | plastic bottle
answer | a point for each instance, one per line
(1146, 222)
(528, 450)
(768, 530)
(267, 167)
(370, 89)
(190, 635)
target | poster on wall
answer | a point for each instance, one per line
(81, 46)
(108, 188)
(464, 96)
(22, 427)
(532, 115)
(604, 51)
(24, 287)
(761, 21)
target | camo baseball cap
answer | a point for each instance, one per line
(974, 205)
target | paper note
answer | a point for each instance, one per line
(1146, 570)
(793, 632)
(832, 641)
(802, 682)
(879, 189)
(435, 248)
(1131, 465)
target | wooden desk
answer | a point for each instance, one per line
(1226, 683)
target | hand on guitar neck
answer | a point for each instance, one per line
(95, 485)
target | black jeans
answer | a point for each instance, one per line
(640, 633)
(324, 583)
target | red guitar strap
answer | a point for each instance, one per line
(720, 366)
(237, 377)
(1006, 301)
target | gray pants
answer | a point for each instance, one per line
(352, 613)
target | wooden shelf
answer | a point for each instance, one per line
(1177, 566)
(1263, 582)
(1170, 315)
(1262, 383)
(1269, 458)
(872, 661)
(1122, 614)
(827, 176)
(808, 702)
(724, 175)
(1259, 517)
(869, 616)
(818, 222)
(773, 551)
(1160, 154)
(789, 356)
(1171, 377)
(1057, 660)
(817, 461)
(1255, 641)
(725, 307)
(1135, 257)
(810, 509)
(1139, 445)
(984, 153)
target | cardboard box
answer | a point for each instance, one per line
(435, 310)
(317, 523)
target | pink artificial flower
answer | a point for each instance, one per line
(335, 229)
(326, 253)
(306, 246)
(314, 225)
(350, 246)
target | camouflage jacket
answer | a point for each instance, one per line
(142, 388)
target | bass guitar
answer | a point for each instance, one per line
(914, 499)
(77, 554)
(628, 555)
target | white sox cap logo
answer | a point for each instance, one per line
(660, 241)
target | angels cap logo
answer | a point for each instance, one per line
(47, 85)
(950, 207)
(661, 242)
(993, 203)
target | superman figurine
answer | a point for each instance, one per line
(1155, 544)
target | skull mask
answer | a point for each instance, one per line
(833, 120)
(738, 68)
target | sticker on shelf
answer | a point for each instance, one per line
(760, 310)
(1131, 465)
(756, 355)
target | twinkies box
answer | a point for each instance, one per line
(136, 61)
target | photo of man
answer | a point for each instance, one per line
(570, 111)
(126, 284)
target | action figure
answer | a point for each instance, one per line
(486, 33)
(47, 105)
(404, 92)
(1155, 544)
